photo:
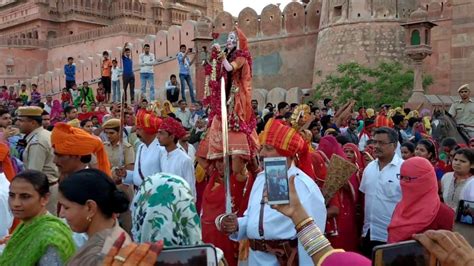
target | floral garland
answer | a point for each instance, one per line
(212, 84)
(212, 89)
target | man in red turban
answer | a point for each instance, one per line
(147, 161)
(174, 160)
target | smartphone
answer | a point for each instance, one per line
(190, 50)
(202, 255)
(407, 253)
(276, 176)
(465, 213)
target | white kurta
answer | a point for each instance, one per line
(7, 216)
(148, 159)
(177, 162)
(276, 225)
(191, 151)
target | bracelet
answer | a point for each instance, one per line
(303, 223)
(312, 239)
(311, 253)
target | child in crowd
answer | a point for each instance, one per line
(87, 94)
(100, 97)
(4, 94)
(12, 96)
(116, 73)
(75, 95)
(66, 98)
(35, 94)
(23, 94)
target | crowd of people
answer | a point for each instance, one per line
(85, 181)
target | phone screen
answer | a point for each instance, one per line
(276, 176)
(188, 256)
(465, 213)
(407, 253)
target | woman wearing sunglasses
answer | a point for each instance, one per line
(420, 208)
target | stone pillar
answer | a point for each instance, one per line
(202, 38)
(418, 94)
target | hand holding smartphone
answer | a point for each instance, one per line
(204, 255)
(276, 176)
(406, 253)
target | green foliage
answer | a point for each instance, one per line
(386, 83)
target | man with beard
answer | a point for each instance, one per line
(147, 161)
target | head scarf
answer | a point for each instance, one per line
(367, 129)
(359, 158)
(420, 201)
(7, 164)
(288, 142)
(167, 108)
(173, 127)
(56, 110)
(339, 257)
(147, 121)
(69, 140)
(329, 145)
(243, 42)
(370, 112)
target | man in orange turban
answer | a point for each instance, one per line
(270, 232)
(73, 149)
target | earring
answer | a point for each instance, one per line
(89, 219)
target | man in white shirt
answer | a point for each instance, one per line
(173, 160)
(266, 228)
(189, 149)
(48, 105)
(381, 187)
(147, 61)
(184, 114)
(147, 160)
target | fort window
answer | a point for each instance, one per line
(9, 70)
(338, 11)
(52, 35)
(415, 38)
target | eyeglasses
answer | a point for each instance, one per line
(405, 178)
(380, 143)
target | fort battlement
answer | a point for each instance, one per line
(293, 48)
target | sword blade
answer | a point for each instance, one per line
(225, 149)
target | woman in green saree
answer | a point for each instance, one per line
(40, 239)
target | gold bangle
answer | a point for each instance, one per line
(303, 223)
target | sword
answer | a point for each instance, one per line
(225, 149)
(121, 128)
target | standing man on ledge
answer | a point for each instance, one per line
(39, 154)
(127, 75)
(463, 110)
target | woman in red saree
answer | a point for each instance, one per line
(342, 227)
(213, 205)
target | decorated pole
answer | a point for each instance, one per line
(225, 149)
